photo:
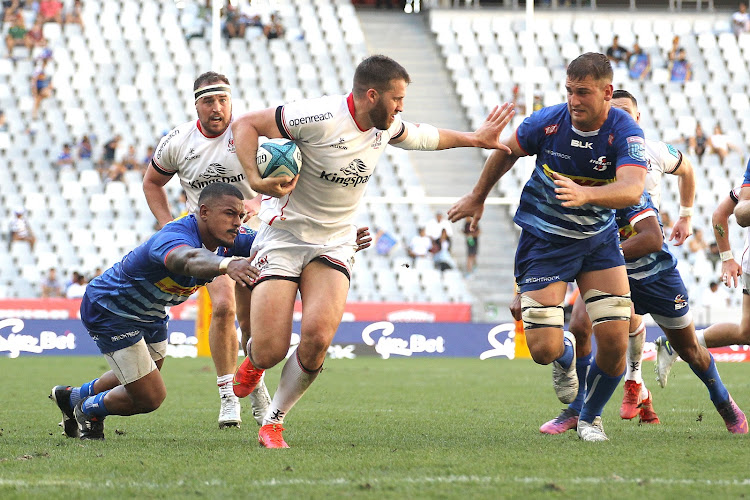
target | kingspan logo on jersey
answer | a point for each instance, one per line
(215, 172)
(351, 174)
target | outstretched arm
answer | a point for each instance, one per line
(427, 137)
(201, 263)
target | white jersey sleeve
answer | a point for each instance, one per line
(662, 158)
(164, 160)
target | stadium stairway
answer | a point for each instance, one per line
(431, 98)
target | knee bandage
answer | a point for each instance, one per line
(158, 350)
(536, 315)
(132, 363)
(603, 306)
(423, 137)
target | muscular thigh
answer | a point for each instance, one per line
(613, 280)
(272, 306)
(324, 290)
(221, 291)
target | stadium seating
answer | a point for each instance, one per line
(135, 79)
(485, 57)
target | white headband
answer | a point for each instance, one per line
(219, 88)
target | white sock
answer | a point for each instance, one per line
(293, 383)
(701, 337)
(635, 354)
(225, 385)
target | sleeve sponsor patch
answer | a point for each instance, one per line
(636, 148)
(673, 151)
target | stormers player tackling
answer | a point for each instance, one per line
(202, 152)
(589, 160)
(124, 309)
(306, 241)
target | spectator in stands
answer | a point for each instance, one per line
(518, 100)
(115, 173)
(65, 158)
(274, 29)
(35, 36)
(75, 16)
(720, 144)
(233, 26)
(77, 288)
(698, 143)
(16, 36)
(85, 149)
(3, 122)
(434, 228)
(51, 286)
(713, 253)
(50, 11)
(741, 20)
(10, 7)
(20, 229)
(130, 161)
(697, 244)
(617, 55)
(108, 155)
(472, 245)
(639, 64)
(419, 246)
(41, 87)
(715, 297)
(680, 70)
(672, 54)
(147, 158)
(666, 222)
(443, 258)
(97, 272)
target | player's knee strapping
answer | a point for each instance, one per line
(132, 363)
(603, 306)
(536, 315)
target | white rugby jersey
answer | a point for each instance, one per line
(338, 159)
(734, 194)
(662, 158)
(200, 160)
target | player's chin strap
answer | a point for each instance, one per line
(423, 137)
(219, 88)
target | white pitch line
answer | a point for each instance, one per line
(460, 479)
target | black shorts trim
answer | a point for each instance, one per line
(274, 277)
(334, 265)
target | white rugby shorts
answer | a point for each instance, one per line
(281, 255)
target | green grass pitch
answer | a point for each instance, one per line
(372, 428)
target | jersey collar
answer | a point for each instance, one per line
(200, 129)
(350, 105)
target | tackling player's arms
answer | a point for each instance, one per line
(730, 269)
(648, 239)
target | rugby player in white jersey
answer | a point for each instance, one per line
(719, 334)
(662, 159)
(202, 152)
(306, 239)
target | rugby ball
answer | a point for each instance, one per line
(278, 157)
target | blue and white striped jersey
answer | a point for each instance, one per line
(589, 158)
(140, 287)
(649, 267)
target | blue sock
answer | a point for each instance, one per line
(582, 370)
(599, 388)
(94, 406)
(568, 354)
(715, 386)
(82, 392)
